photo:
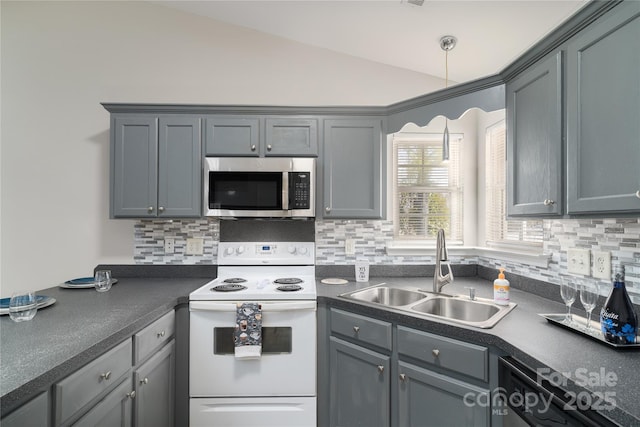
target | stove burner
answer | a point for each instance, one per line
(234, 280)
(288, 281)
(289, 288)
(229, 287)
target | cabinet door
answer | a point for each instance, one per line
(179, 167)
(426, 398)
(33, 413)
(154, 383)
(291, 137)
(603, 115)
(359, 386)
(232, 136)
(534, 140)
(353, 168)
(113, 410)
(134, 162)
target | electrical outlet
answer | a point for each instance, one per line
(195, 246)
(602, 265)
(578, 261)
(350, 246)
(169, 245)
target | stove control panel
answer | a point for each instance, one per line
(266, 253)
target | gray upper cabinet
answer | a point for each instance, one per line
(253, 136)
(603, 115)
(156, 166)
(534, 140)
(291, 137)
(232, 136)
(353, 168)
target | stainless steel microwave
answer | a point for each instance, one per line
(269, 187)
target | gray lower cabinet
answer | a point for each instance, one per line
(383, 374)
(131, 384)
(156, 166)
(353, 168)
(258, 136)
(359, 386)
(534, 140)
(427, 398)
(155, 389)
(114, 410)
(33, 413)
(603, 115)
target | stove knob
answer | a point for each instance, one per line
(302, 250)
(228, 251)
(240, 250)
(291, 249)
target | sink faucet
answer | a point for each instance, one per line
(439, 280)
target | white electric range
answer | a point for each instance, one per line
(279, 387)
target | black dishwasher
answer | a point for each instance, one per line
(537, 402)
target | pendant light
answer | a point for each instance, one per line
(446, 43)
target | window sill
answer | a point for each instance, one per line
(418, 248)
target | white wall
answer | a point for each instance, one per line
(61, 59)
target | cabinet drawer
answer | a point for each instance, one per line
(361, 328)
(153, 336)
(458, 356)
(87, 383)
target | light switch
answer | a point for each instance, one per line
(578, 261)
(195, 246)
(350, 246)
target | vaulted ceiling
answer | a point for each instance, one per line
(491, 34)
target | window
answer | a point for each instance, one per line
(428, 191)
(499, 231)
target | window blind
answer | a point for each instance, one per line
(499, 230)
(428, 191)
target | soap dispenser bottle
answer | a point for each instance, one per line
(501, 289)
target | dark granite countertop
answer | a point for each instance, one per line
(80, 326)
(84, 324)
(522, 334)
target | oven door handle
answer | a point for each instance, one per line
(266, 306)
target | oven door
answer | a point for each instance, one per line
(287, 366)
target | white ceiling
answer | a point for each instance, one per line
(491, 34)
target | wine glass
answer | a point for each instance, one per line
(568, 290)
(23, 306)
(588, 297)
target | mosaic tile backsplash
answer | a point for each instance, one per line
(621, 237)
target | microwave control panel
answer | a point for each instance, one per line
(299, 190)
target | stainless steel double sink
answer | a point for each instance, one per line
(477, 312)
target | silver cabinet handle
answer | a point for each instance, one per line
(327, 209)
(403, 377)
(638, 194)
(253, 147)
(269, 147)
(132, 395)
(160, 334)
(144, 381)
(435, 352)
(356, 329)
(161, 209)
(548, 202)
(106, 375)
(380, 368)
(150, 209)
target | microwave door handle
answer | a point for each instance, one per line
(285, 191)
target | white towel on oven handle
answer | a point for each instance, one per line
(247, 335)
